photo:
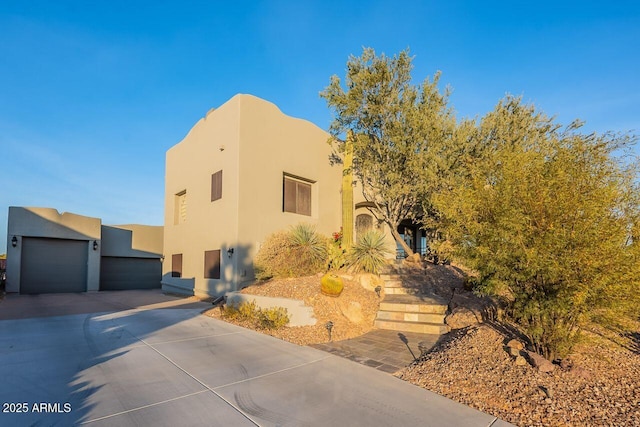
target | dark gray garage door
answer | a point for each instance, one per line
(119, 273)
(53, 265)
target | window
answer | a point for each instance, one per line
(364, 223)
(176, 265)
(180, 208)
(212, 264)
(297, 195)
(216, 186)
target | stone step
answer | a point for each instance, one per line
(401, 284)
(413, 304)
(387, 277)
(401, 291)
(411, 317)
(419, 327)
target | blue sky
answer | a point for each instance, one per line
(92, 93)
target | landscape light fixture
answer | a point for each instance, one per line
(230, 252)
(95, 245)
(329, 326)
(378, 289)
(14, 241)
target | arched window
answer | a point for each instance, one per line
(364, 223)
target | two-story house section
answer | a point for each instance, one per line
(244, 171)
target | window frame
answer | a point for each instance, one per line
(212, 264)
(297, 195)
(216, 186)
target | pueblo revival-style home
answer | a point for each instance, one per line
(244, 171)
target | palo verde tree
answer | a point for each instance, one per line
(395, 129)
(549, 218)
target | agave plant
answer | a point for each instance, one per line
(368, 253)
(309, 247)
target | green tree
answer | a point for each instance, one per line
(398, 128)
(549, 218)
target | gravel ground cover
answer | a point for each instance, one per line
(597, 385)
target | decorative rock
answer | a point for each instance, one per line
(520, 361)
(370, 281)
(513, 351)
(539, 362)
(352, 311)
(461, 317)
(515, 344)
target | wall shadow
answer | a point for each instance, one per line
(74, 366)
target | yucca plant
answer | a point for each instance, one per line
(309, 249)
(368, 253)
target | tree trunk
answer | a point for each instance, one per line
(399, 239)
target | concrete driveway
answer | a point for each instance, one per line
(140, 358)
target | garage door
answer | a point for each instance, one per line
(119, 273)
(53, 265)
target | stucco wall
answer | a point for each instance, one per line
(271, 144)
(253, 143)
(49, 223)
(210, 146)
(132, 240)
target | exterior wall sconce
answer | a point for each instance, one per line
(162, 258)
(378, 289)
(95, 245)
(14, 241)
(230, 252)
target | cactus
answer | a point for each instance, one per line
(331, 285)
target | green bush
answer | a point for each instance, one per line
(273, 318)
(309, 249)
(549, 218)
(368, 254)
(301, 251)
(267, 318)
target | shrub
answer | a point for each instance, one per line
(309, 249)
(273, 258)
(273, 318)
(331, 285)
(298, 252)
(368, 254)
(267, 318)
(548, 217)
(336, 254)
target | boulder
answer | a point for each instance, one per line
(515, 344)
(520, 361)
(352, 311)
(513, 351)
(370, 281)
(539, 362)
(461, 317)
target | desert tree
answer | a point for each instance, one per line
(394, 130)
(548, 217)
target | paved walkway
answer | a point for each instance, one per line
(387, 351)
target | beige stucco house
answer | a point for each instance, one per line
(244, 171)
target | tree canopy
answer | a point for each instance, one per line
(549, 218)
(394, 128)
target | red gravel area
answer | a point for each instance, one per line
(602, 388)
